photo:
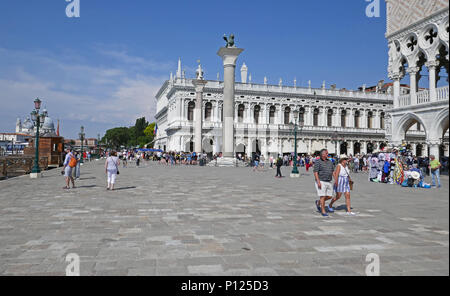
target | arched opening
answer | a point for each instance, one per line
(357, 148)
(241, 109)
(208, 111)
(370, 147)
(343, 118)
(419, 149)
(208, 145)
(191, 107)
(423, 72)
(369, 119)
(382, 120)
(316, 117)
(301, 115)
(287, 115)
(256, 148)
(256, 112)
(443, 64)
(357, 116)
(404, 132)
(189, 147)
(272, 111)
(240, 151)
(330, 117)
(343, 148)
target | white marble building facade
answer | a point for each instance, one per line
(417, 34)
(343, 121)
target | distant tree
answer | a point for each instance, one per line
(116, 137)
(138, 135)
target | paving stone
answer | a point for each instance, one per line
(216, 221)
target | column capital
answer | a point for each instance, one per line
(396, 75)
(229, 55)
(413, 70)
(432, 64)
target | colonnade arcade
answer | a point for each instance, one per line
(283, 114)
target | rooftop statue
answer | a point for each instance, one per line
(229, 40)
(199, 71)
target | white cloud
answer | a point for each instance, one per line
(81, 93)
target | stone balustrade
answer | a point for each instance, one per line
(423, 97)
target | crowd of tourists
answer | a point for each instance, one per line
(332, 175)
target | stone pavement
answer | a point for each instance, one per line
(216, 221)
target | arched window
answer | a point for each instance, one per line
(330, 117)
(272, 114)
(287, 115)
(191, 107)
(343, 118)
(301, 115)
(316, 117)
(208, 111)
(256, 112)
(357, 115)
(382, 118)
(369, 119)
(241, 109)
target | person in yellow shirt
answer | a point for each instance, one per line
(434, 167)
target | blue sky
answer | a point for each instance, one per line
(102, 70)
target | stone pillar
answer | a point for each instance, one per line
(216, 111)
(350, 147)
(434, 149)
(363, 147)
(307, 115)
(413, 71)
(350, 118)
(432, 70)
(337, 116)
(414, 148)
(425, 150)
(229, 56)
(199, 85)
(281, 112)
(396, 77)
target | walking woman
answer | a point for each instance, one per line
(342, 184)
(112, 169)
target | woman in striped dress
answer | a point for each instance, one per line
(342, 184)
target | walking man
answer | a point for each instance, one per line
(279, 164)
(323, 173)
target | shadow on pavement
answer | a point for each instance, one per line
(124, 188)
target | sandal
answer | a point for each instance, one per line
(318, 206)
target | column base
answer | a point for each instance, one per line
(225, 162)
(35, 175)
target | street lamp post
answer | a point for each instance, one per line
(38, 121)
(335, 138)
(295, 173)
(82, 134)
